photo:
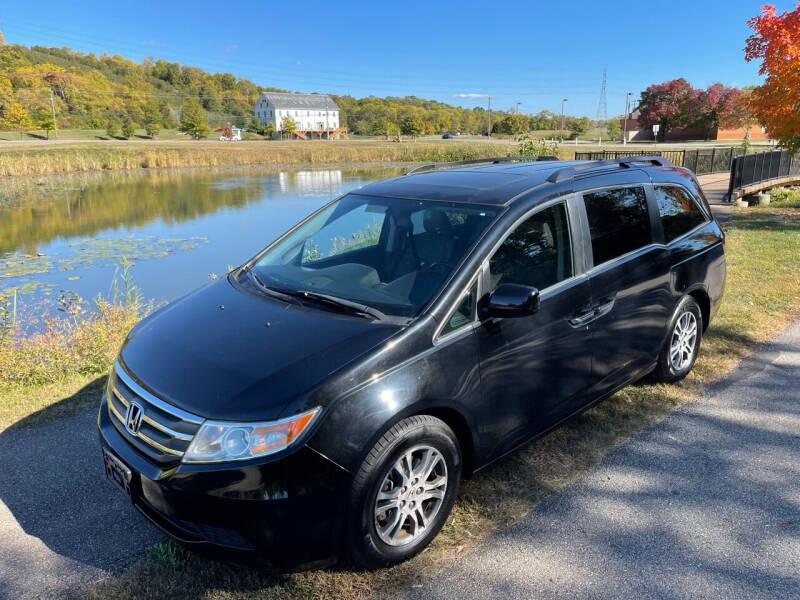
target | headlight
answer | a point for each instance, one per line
(220, 441)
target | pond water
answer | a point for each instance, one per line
(174, 229)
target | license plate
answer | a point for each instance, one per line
(117, 472)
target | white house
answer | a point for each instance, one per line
(311, 112)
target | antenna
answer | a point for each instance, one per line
(602, 108)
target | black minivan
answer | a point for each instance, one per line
(326, 398)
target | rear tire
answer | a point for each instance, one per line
(403, 492)
(680, 349)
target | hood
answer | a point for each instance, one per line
(227, 353)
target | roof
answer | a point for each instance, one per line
(498, 184)
(300, 101)
(491, 184)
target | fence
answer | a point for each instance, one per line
(757, 168)
(702, 161)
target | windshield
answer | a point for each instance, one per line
(392, 254)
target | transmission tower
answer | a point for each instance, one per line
(602, 108)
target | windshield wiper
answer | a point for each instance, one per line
(336, 302)
(333, 301)
(273, 292)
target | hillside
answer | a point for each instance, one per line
(89, 91)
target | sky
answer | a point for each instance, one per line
(535, 53)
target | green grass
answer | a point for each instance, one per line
(762, 297)
(83, 135)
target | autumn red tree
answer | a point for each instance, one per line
(716, 106)
(776, 103)
(666, 105)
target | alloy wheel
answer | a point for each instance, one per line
(410, 496)
(683, 342)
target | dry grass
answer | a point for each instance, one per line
(68, 360)
(65, 158)
(763, 296)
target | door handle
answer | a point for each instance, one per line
(582, 319)
(604, 307)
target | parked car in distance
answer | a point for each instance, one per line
(326, 398)
(447, 136)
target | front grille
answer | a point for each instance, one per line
(165, 431)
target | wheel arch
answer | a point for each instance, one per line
(700, 296)
(460, 426)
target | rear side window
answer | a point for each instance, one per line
(679, 211)
(537, 253)
(618, 222)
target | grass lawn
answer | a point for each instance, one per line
(762, 297)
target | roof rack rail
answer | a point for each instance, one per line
(476, 161)
(626, 162)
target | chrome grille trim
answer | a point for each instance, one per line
(157, 402)
(170, 432)
(158, 446)
(123, 391)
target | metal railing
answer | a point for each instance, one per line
(762, 167)
(702, 161)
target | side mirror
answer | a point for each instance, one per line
(513, 300)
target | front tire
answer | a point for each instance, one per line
(403, 491)
(680, 349)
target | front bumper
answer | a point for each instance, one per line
(285, 512)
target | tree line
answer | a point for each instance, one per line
(676, 104)
(112, 93)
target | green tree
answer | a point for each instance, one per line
(46, 123)
(152, 119)
(411, 126)
(288, 126)
(255, 126)
(17, 118)
(112, 128)
(614, 129)
(127, 127)
(579, 126)
(193, 120)
(268, 130)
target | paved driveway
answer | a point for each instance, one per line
(704, 505)
(61, 524)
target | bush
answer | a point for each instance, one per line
(127, 128)
(112, 128)
(532, 146)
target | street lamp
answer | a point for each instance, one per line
(625, 119)
(518, 103)
(563, 102)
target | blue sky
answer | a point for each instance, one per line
(531, 52)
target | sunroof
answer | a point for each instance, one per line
(475, 180)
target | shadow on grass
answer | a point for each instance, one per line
(765, 221)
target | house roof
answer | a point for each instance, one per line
(300, 101)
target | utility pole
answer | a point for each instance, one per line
(625, 119)
(489, 131)
(518, 103)
(563, 102)
(53, 110)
